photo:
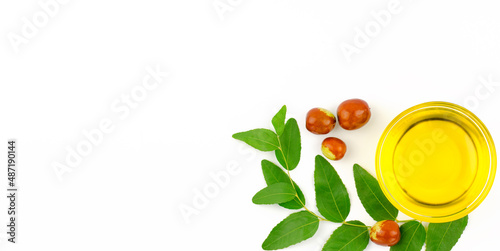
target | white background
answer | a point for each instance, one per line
(228, 73)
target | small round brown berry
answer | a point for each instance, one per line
(333, 148)
(385, 233)
(353, 114)
(320, 121)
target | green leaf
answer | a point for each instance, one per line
(348, 238)
(292, 230)
(412, 237)
(261, 139)
(289, 141)
(274, 174)
(275, 193)
(332, 198)
(372, 197)
(279, 120)
(443, 236)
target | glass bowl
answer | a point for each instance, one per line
(436, 162)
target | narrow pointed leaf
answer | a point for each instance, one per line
(412, 237)
(261, 139)
(348, 238)
(275, 193)
(332, 198)
(274, 174)
(372, 197)
(443, 236)
(279, 120)
(289, 154)
(293, 229)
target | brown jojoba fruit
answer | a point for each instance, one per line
(385, 233)
(320, 121)
(333, 148)
(353, 114)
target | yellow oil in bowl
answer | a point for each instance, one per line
(436, 162)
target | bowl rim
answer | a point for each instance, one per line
(486, 137)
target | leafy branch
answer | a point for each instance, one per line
(332, 199)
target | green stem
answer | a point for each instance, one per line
(291, 182)
(354, 225)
